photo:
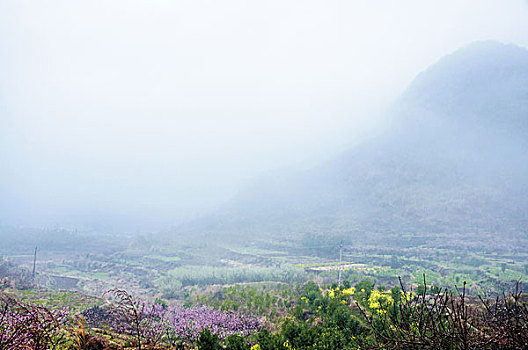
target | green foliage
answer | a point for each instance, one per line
(338, 331)
(311, 291)
(268, 340)
(235, 342)
(207, 275)
(207, 340)
(323, 319)
(363, 290)
(339, 317)
(270, 300)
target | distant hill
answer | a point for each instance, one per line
(454, 164)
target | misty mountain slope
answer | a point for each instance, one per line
(479, 83)
(455, 161)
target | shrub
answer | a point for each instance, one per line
(207, 340)
(24, 326)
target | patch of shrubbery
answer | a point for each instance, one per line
(25, 326)
(183, 276)
(346, 317)
(272, 300)
(435, 318)
(13, 276)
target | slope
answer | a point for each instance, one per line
(453, 164)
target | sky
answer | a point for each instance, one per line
(140, 114)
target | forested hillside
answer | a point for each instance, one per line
(453, 162)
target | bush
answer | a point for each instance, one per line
(207, 340)
(24, 326)
(446, 320)
(235, 342)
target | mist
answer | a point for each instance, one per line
(141, 114)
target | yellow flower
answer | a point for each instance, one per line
(379, 299)
(287, 345)
(349, 291)
(255, 347)
(407, 295)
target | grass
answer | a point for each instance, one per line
(75, 302)
(163, 258)
(140, 268)
(324, 264)
(255, 251)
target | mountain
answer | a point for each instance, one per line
(453, 163)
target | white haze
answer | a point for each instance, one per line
(143, 113)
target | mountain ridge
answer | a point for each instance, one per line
(440, 169)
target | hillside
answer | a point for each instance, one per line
(453, 163)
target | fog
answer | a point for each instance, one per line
(141, 114)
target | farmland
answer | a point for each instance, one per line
(175, 267)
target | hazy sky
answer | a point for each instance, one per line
(145, 111)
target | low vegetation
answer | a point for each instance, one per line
(261, 295)
(309, 316)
